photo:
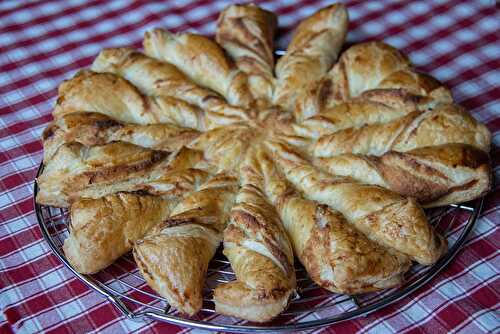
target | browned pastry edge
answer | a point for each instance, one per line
(259, 251)
(434, 175)
(314, 47)
(175, 254)
(246, 32)
(397, 170)
(101, 230)
(381, 214)
(336, 256)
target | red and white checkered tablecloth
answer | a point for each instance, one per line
(42, 43)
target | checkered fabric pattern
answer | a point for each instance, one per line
(45, 42)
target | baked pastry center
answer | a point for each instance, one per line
(323, 156)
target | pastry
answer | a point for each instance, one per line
(259, 252)
(195, 143)
(314, 48)
(336, 255)
(445, 124)
(174, 256)
(92, 129)
(364, 67)
(389, 138)
(203, 61)
(246, 32)
(434, 175)
(385, 217)
(371, 107)
(225, 147)
(76, 171)
(103, 229)
(158, 78)
(111, 95)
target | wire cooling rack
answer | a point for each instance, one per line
(122, 284)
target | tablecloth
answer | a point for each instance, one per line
(45, 42)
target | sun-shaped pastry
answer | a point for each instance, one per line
(323, 155)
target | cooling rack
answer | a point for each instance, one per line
(310, 307)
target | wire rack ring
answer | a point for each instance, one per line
(310, 307)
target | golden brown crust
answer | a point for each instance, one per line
(92, 129)
(174, 256)
(89, 91)
(151, 76)
(203, 61)
(259, 251)
(175, 265)
(246, 32)
(238, 300)
(75, 167)
(102, 230)
(202, 118)
(372, 65)
(364, 67)
(446, 123)
(377, 107)
(226, 147)
(78, 171)
(157, 78)
(437, 175)
(336, 256)
(314, 47)
(382, 215)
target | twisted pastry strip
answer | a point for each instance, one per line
(246, 32)
(260, 254)
(111, 95)
(92, 129)
(174, 256)
(203, 61)
(447, 123)
(157, 78)
(103, 229)
(371, 107)
(77, 171)
(336, 256)
(434, 175)
(314, 48)
(363, 67)
(420, 151)
(382, 215)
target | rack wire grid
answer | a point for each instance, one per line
(310, 307)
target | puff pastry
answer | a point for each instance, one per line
(92, 129)
(158, 78)
(363, 67)
(447, 123)
(382, 215)
(259, 252)
(336, 256)
(174, 256)
(376, 138)
(226, 147)
(434, 175)
(203, 61)
(78, 171)
(97, 92)
(246, 32)
(102, 230)
(195, 142)
(371, 107)
(315, 45)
